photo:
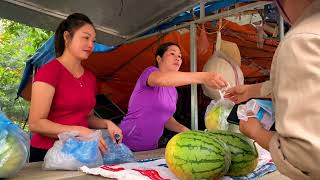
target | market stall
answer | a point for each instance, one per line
(132, 52)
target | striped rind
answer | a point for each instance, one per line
(195, 155)
(244, 155)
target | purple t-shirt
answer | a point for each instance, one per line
(149, 109)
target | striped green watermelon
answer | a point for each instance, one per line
(195, 155)
(244, 155)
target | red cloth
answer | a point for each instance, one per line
(73, 99)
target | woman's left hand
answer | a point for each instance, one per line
(184, 129)
(251, 127)
(113, 130)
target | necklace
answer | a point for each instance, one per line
(81, 85)
(80, 81)
(73, 74)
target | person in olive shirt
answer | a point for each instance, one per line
(295, 90)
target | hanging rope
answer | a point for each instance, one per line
(121, 9)
(218, 42)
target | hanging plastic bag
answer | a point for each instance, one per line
(260, 109)
(71, 152)
(116, 153)
(14, 147)
(203, 44)
(217, 113)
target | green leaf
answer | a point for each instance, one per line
(18, 42)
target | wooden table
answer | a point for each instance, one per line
(34, 171)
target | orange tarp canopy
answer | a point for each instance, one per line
(117, 71)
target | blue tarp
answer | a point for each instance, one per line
(187, 16)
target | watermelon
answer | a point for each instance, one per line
(196, 155)
(244, 155)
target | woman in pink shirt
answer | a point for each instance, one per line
(63, 91)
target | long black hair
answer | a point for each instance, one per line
(162, 49)
(71, 24)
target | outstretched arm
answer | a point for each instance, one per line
(242, 93)
(175, 79)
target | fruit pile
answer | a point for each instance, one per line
(210, 155)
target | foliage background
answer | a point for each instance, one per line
(18, 42)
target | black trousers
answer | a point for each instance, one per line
(37, 154)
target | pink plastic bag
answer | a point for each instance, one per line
(203, 45)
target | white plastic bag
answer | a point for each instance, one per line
(71, 152)
(14, 147)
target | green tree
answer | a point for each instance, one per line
(17, 43)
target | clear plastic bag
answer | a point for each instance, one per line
(14, 147)
(71, 152)
(217, 113)
(116, 153)
(262, 110)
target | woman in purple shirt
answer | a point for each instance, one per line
(153, 100)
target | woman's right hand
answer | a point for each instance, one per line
(215, 80)
(83, 131)
(238, 94)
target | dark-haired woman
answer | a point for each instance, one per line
(63, 91)
(154, 98)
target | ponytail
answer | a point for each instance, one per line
(71, 24)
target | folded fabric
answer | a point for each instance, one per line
(157, 169)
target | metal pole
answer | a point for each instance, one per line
(193, 68)
(205, 19)
(281, 28)
(165, 20)
(202, 9)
